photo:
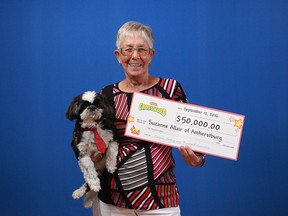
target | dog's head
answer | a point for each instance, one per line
(88, 108)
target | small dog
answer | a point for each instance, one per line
(94, 136)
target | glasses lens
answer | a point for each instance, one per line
(129, 51)
(143, 51)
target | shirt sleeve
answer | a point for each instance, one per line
(179, 93)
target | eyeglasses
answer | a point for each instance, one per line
(128, 51)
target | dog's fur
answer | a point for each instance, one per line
(92, 110)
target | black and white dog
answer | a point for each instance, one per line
(94, 136)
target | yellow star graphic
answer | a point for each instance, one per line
(238, 123)
(231, 119)
(134, 130)
(130, 119)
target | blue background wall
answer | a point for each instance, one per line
(231, 55)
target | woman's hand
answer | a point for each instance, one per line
(96, 157)
(190, 157)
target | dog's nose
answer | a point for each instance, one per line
(92, 108)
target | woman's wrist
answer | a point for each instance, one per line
(202, 159)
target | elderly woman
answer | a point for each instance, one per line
(144, 182)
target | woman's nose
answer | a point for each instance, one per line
(135, 53)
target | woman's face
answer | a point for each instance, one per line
(133, 58)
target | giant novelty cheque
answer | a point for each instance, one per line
(206, 130)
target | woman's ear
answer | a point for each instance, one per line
(152, 52)
(116, 53)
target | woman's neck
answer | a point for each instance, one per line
(132, 85)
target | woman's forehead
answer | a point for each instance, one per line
(134, 40)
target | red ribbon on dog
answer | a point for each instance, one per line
(99, 142)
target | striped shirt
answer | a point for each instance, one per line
(144, 179)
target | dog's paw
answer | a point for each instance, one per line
(90, 198)
(88, 203)
(94, 184)
(95, 188)
(78, 193)
(111, 169)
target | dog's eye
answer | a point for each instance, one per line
(97, 105)
(85, 105)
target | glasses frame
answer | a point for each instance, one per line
(133, 49)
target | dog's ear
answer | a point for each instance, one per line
(73, 110)
(108, 111)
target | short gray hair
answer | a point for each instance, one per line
(131, 28)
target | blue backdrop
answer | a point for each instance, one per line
(230, 55)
